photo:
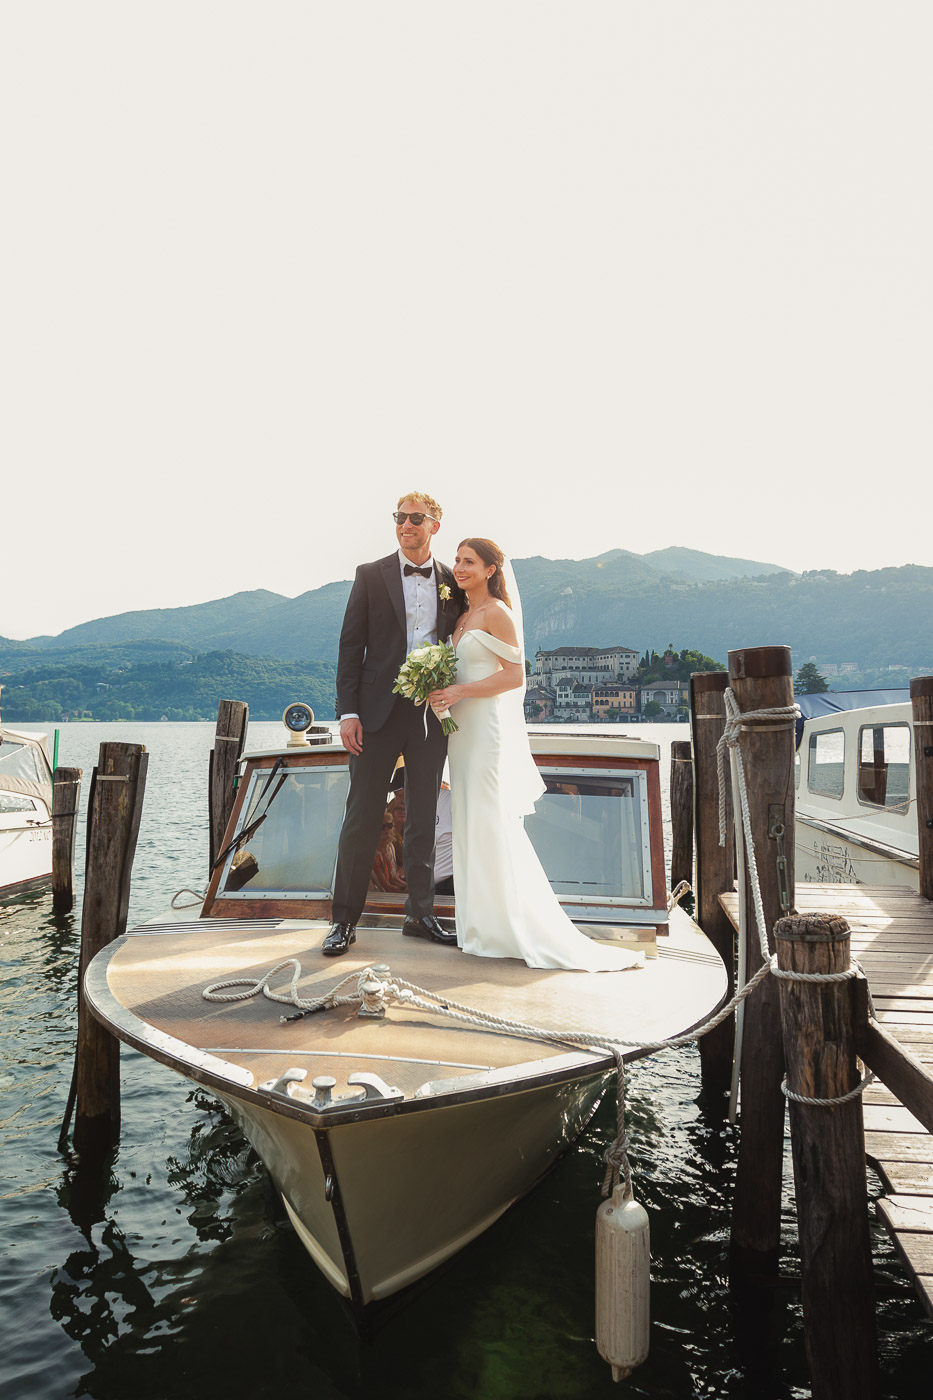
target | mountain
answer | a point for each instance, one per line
(195, 625)
(699, 601)
(695, 565)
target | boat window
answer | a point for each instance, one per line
(591, 835)
(294, 846)
(15, 802)
(884, 765)
(826, 763)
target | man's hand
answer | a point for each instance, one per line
(351, 735)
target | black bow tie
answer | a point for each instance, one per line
(410, 569)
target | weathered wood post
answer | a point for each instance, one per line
(114, 809)
(715, 864)
(64, 820)
(229, 738)
(828, 1147)
(761, 679)
(921, 699)
(681, 813)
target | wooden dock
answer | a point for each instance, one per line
(892, 939)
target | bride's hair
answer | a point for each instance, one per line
(490, 553)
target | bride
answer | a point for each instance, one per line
(505, 907)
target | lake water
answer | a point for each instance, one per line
(177, 1274)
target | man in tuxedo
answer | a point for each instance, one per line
(395, 604)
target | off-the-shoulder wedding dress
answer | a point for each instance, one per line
(505, 907)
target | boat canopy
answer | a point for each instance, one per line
(827, 702)
(25, 765)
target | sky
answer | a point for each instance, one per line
(595, 276)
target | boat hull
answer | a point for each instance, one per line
(25, 855)
(380, 1203)
(827, 854)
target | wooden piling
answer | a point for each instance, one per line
(761, 679)
(64, 822)
(681, 813)
(114, 809)
(715, 864)
(828, 1149)
(229, 738)
(921, 699)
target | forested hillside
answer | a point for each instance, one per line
(176, 689)
(172, 661)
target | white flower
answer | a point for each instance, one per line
(444, 592)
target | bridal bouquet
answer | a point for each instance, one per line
(425, 669)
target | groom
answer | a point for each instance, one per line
(395, 604)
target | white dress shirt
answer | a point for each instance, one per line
(420, 605)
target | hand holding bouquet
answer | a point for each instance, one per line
(424, 670)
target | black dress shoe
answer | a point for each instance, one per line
(338, 940)
(428, 927)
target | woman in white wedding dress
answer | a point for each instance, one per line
(505, 907)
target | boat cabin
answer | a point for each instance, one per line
(856, 789)
(597, 832)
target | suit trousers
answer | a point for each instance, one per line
(370, 774)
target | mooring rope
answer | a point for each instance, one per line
(199, 897)
(736, 721)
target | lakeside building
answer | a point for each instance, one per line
(608, 701)
(539, 704)
(598, 683)
(672, 696)
(587, 665)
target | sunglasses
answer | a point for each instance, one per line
(417, 517)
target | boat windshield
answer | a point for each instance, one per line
(293, 848)
(591, 834)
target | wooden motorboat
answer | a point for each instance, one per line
(396, 1139)
(25, 811)
(856, 820)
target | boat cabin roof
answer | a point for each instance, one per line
(545, 739)
(25, 765)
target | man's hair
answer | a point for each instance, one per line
(431, 506)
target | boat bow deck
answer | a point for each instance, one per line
(148, 987)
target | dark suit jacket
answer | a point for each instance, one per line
(373, 637)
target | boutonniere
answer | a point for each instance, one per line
(444, 593)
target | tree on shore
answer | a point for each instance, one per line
(808, 680)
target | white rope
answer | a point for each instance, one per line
(678, 893)
(217, 991)
(829, 1103)
(736, 721)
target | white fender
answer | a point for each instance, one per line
(623, 1276)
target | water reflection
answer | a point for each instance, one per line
(213, 1297)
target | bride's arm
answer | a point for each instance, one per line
(510, 676)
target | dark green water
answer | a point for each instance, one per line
(176, 1273)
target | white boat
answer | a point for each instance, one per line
(25, 811)
(856, 816)
(395, 1140)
